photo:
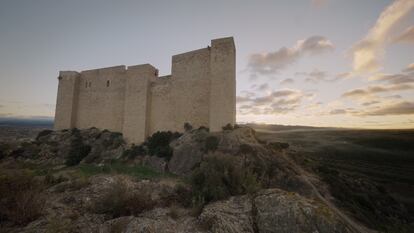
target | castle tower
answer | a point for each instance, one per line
(222, 84)
(66, 103)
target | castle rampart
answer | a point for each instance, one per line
(201, 90)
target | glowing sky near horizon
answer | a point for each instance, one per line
(309, 62)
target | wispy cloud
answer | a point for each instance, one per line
(316, 76)
(280, 101)
(337, 111)
(273, 62)
(388, 83)
(369, 90)
(410, 68)
(407, 36)
(287, 81)
(394, 78)
(398, 108)
(368, 53)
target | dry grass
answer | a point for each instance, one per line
(119, 200)
(22, 198)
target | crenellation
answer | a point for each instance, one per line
(134, 100)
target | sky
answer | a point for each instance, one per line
(338, 63)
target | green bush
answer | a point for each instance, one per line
(211, 143)
(159, 143)
(78, 151)
(221, 176)
(5, 150)
(134, 151)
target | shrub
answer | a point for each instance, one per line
(279, 145)
(204, 128)
(211, 143)
(228, 127)
(221, 176)
(134, 151)
(119, 200)
(78, 151)
(5, 150)
(51, 180)
(246, 149)
(187, 127)
(21, 196)
(43, 133)
(159, 143)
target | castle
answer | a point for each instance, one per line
(135, 101)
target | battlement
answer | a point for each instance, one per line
(134, 100)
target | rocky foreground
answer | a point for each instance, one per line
(92, 181)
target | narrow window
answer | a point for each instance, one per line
(107, 83)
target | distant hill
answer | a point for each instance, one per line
(271, 127)
(35, 122)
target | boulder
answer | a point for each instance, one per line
(230, 216)
(188, 152)
(278, 211)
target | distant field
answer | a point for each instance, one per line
(13, 129)
(381, 154)
(381, 157)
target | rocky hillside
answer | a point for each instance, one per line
(92, 181)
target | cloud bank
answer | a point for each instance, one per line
(368, 53)
(276, 102)
(407, 36)
(273, 62)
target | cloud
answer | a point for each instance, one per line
(337, 111)
(407, 36)
(410, 68)
(344, 75)
(287, 81)
(273, 62)
(399, 108)
(391, 82)
(362, 92)
(369, 103)
(263, 87)
(280, 101)
(242, 99)
(317, 76)
(368, 53)
(394, 78)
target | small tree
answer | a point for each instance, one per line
(227, 127)
(211, 143)
(187, 127)
(78, 151)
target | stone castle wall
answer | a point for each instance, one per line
(201, 90)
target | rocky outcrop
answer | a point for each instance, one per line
(188, 151)
(53, 147)
(241, 143)
(278, 211)
(229, 216)
(272, 211)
